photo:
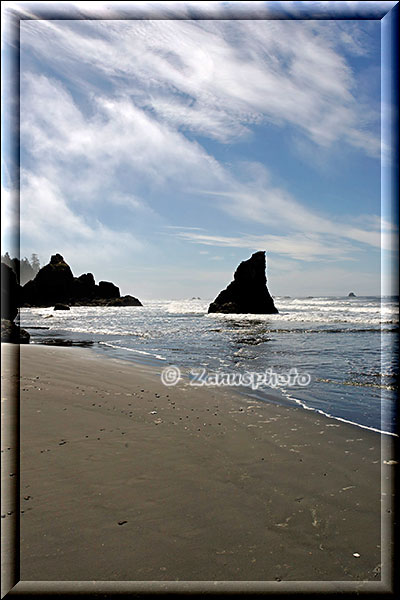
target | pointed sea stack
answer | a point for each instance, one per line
(248, 292)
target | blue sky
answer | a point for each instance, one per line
(160, 153)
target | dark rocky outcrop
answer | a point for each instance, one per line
(10, 299)
(12, 333)
(84, 286)
(124, 301)
(10, 291)
(55, 284)
(108, 290)
(60, 306)
(352, 295)
(248, 292)
(86, 291)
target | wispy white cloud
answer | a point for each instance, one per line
(9, 220)
(258, 200)
(58, 135)
(217, 77)
(300, 247)
(48, 222)
(328, 241)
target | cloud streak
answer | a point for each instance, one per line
(300, 247)
(217, 77)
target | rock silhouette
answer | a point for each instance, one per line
(56, 284)
(10, 299)
(10, 291)
(352, 295)
(59, 306)
(12, 333)
(248, 292)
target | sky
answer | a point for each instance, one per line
(159, 154)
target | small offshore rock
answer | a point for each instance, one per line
(59, 306)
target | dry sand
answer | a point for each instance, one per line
(124, 479)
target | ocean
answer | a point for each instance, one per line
(347, 346)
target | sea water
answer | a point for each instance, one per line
(348, 346)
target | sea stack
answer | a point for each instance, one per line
(351, 295)
(248, 292)
(56, 285)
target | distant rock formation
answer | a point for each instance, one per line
(124, 301)
(55, 284)
(10, 299)
(248, 292)
(352, 295)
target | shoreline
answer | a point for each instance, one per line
(343, 385)
(270, 396)
(125, 479)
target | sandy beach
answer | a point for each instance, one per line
(124, 479)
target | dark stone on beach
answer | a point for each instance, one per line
(60, 306)
(24, 336)
(352, 295)
(10, 292)
(11, 333)
(56, 341)
(248, 292)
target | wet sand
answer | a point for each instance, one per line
(124, 479)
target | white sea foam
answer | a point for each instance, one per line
(152, 354)
(330, 416)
